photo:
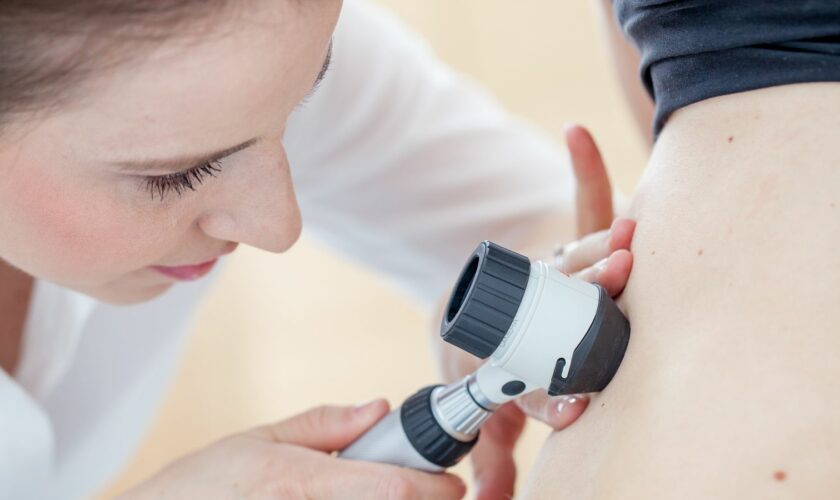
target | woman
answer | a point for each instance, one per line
(142, 141)
(729, 387)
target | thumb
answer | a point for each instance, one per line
(326, 428)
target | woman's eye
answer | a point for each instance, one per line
(160, 186)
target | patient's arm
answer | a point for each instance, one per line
(625, 61)
(730, 387)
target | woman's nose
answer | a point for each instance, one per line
(257, 207)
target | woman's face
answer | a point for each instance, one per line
(166, 163)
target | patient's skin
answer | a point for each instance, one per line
(729, 386)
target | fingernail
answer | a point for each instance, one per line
(563, 402)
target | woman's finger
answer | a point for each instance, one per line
(584, 252)
(556, 412)
(597, 246)
(326, 428)
(494, 468)
(594, 192)
(611, 273)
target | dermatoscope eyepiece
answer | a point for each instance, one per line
(485, 299)
(528, 316)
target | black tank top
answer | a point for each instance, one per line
(696, 49)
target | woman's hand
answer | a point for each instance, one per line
(292, 459)
(602, 256)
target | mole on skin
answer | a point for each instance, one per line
(730, 138)
(779, 475)
(700, 252)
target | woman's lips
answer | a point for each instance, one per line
(186, 273)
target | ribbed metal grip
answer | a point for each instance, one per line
(457, 411)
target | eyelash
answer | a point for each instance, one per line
(160, 186)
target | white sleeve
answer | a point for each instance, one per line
(405, 166)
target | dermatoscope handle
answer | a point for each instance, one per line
(388, 443)
(411, 435)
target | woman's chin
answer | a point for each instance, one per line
(126, 295)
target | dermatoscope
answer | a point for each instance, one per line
(539, 328)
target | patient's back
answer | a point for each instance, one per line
(731, 385)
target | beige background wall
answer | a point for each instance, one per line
(259, 350)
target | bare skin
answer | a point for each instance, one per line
(728, 388)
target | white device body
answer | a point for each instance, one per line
(555, 314)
